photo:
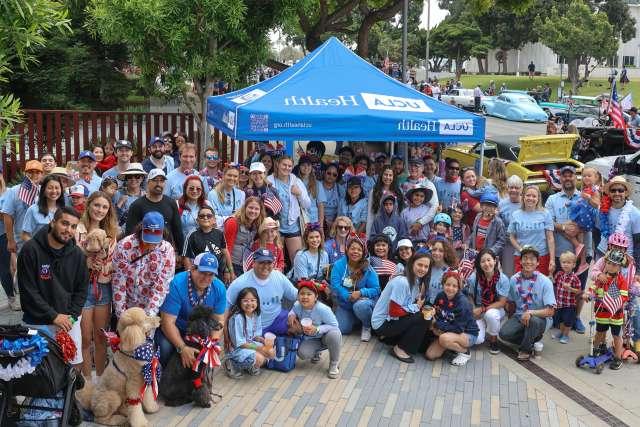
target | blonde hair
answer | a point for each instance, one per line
(276, 164)
(532, 187)
(219, 185)
(599, 181)
(312, 182)
(109, 223)
(498, 174)
(188, 146)
(241, 215)
(262, 233)
(568, 256)
(334, 226)
(3, 184)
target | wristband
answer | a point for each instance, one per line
(252, 346)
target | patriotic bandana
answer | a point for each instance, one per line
(209, 356)
(151, 370)
(526, 295)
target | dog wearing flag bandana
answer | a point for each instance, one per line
(181, 385)
(129, 384)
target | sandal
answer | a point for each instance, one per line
(408, 359)
(523, 356)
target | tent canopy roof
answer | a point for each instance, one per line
(334, 95)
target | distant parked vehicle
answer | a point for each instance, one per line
(462, 98)
(514, 106)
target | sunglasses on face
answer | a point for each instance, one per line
(212, 157)
(343, 227)
(205, 216)
(331, 173)
(454, 168)
(194, 189)
(617, 190)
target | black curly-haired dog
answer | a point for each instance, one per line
(180, 385)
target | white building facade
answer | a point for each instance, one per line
(547, 62)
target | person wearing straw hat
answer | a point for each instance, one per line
(131, 191)
(87, 174)
(622, 217)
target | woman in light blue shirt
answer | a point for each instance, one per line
(444, 259)
(328, 197)
(533, 225)
(41, 214)
(354, 205)
(312, 261)
(506, 208)
(308, 177)
(190, 202)
(225, 198)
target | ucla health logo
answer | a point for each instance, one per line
(249, 96)
(456, 127)
(375, 101)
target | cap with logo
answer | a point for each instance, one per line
(257, 167)
(156, 140)
(123, 143)
(567, 168)
(152, 227)
(263, 255)
(79, 190)
(154, 173)
(206, 262)
(86, 154)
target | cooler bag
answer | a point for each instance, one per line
(286, 352)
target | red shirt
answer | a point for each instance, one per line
(564, 298)
(471, 202)
(481, 236)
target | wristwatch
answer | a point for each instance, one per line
(179, 349)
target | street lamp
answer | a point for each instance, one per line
(426, 62)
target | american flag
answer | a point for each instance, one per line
(615, 111)
(28, 191)
(553, 178)
(467, 263)
(612, 299)
(383, 267)
(272, 203)
(247, 262)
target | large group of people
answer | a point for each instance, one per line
(433, 262)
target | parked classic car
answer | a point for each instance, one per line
(532, 158)
(462, 98)
(514, 106)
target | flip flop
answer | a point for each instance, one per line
(523, 356)
(402, 359)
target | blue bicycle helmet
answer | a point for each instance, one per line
(442, 217)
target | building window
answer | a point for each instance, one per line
(628, 60)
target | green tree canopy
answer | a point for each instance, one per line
(188, 43)
(24, 27)
(577, 34)
(456, 36)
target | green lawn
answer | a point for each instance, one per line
(592, 88)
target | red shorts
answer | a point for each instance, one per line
(543, 264)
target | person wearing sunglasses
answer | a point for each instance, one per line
(192, 199)
(207, 238)
(336, 246)
(145, 264)
(176, 178)
(211, 172)
(328, 197)
(131, 191)
(449, 188)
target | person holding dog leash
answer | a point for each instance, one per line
(188, 289)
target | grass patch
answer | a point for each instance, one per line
(593, 87)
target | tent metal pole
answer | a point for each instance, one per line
(236, 151)
(405, 18)
(481, 159)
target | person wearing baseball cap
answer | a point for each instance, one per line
(272, 286)
(198, 286)
(87, 174)
(157, 158)
(124, 151)
(488, 230)
(146, 266)
(535, 300)
(16, 201)
(78, 194)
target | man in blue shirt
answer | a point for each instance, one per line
(87, 165)
(448, 189)
(272, 287)
(124, 151)
(188, 289)
(177, 177)
(532, 292)
(558, 205)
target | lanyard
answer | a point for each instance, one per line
(194, 300)
(526, 295)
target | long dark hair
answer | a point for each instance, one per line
(42, 198)
(479, 271)
(235, 309)
(347, 197)
(410, 275)
(377, 191)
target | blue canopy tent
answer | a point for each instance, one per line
(334, 95)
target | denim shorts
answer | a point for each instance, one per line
(472, 339)
(104, 296)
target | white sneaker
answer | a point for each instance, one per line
(334, 372)
(365, 335)
(538, 346)
(461, 359)
(14, 304)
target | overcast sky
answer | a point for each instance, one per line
(437, 15)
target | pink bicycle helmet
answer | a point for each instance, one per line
(619, 239)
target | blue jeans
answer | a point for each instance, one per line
(5, 271)
(166, 348)
(360, 313)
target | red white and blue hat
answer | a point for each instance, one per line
(152, 227)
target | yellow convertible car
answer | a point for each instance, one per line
(535, 159)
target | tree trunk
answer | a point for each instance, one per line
(386, 12)
(572, 66)
(486, 64)
(504, 62)
(480, 65)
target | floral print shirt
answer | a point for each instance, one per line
(141, 281)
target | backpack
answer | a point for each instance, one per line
(286, 352)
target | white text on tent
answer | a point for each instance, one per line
(340, 101)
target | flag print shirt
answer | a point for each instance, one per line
(141, 279)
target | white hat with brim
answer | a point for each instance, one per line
(404, 243)
(62, 173)
(620, 181)
(133, 169)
